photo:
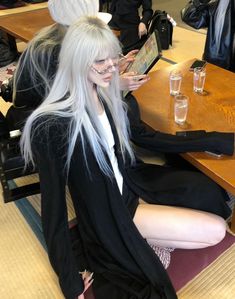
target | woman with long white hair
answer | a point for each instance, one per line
(218, 17)
(79, 137)
(36, 71)
(37, 65)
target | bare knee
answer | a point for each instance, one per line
(216, 231)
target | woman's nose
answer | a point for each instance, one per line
(112, 66)
(110, 62)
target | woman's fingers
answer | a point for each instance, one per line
(142, 29)
(88, 281)
(132, 53)
(138, 78)
(87, 278)
(131, 81)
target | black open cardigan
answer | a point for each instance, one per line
(124, 264)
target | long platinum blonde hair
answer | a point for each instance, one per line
(41, 50)
(71, 94)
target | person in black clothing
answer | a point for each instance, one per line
(33, 80)
(35, 74)
(78, 137)
(219, 19)
(133, 28)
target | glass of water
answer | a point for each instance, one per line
(199, 76)
(175, 80)
(181, 108)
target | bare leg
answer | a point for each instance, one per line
(179, 227)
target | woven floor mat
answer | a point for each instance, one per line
(216, 282)
(25, 270)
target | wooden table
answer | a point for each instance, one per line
(212, 111)
(24, 25)
(26, 7)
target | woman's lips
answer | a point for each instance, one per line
(107, 79)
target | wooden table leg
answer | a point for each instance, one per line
(233, 221)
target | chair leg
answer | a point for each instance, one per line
(5, 187)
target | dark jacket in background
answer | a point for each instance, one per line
(201, 14)
(125, 7)
(125, 17)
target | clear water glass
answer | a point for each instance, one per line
(199, 76)
(175, 80)
(180, 109)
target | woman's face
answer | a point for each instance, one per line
(101, 71)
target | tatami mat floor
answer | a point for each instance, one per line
(25, 270)
(215, 282)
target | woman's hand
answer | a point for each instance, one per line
(126, 60)
(142, 29)
(130, 56)
(87, 278)
(131, 81)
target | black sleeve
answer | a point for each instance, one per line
(112, 8)
(147, 11)
(27, 93)
(196, 14)
(198, 141)
(49, 153)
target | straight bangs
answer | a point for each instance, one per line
(92, 42)
(108, 47)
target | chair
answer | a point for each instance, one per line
(12, 167)
(11, 162)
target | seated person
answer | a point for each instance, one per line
(78, 137)
(38, 63)
(37, 67)
(35, 74)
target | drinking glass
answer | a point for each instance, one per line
(180, 108)
(199, 76)
(175, 80)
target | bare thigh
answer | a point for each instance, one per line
(178, 227)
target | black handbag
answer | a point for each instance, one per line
(195, 13)
(164, 27)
